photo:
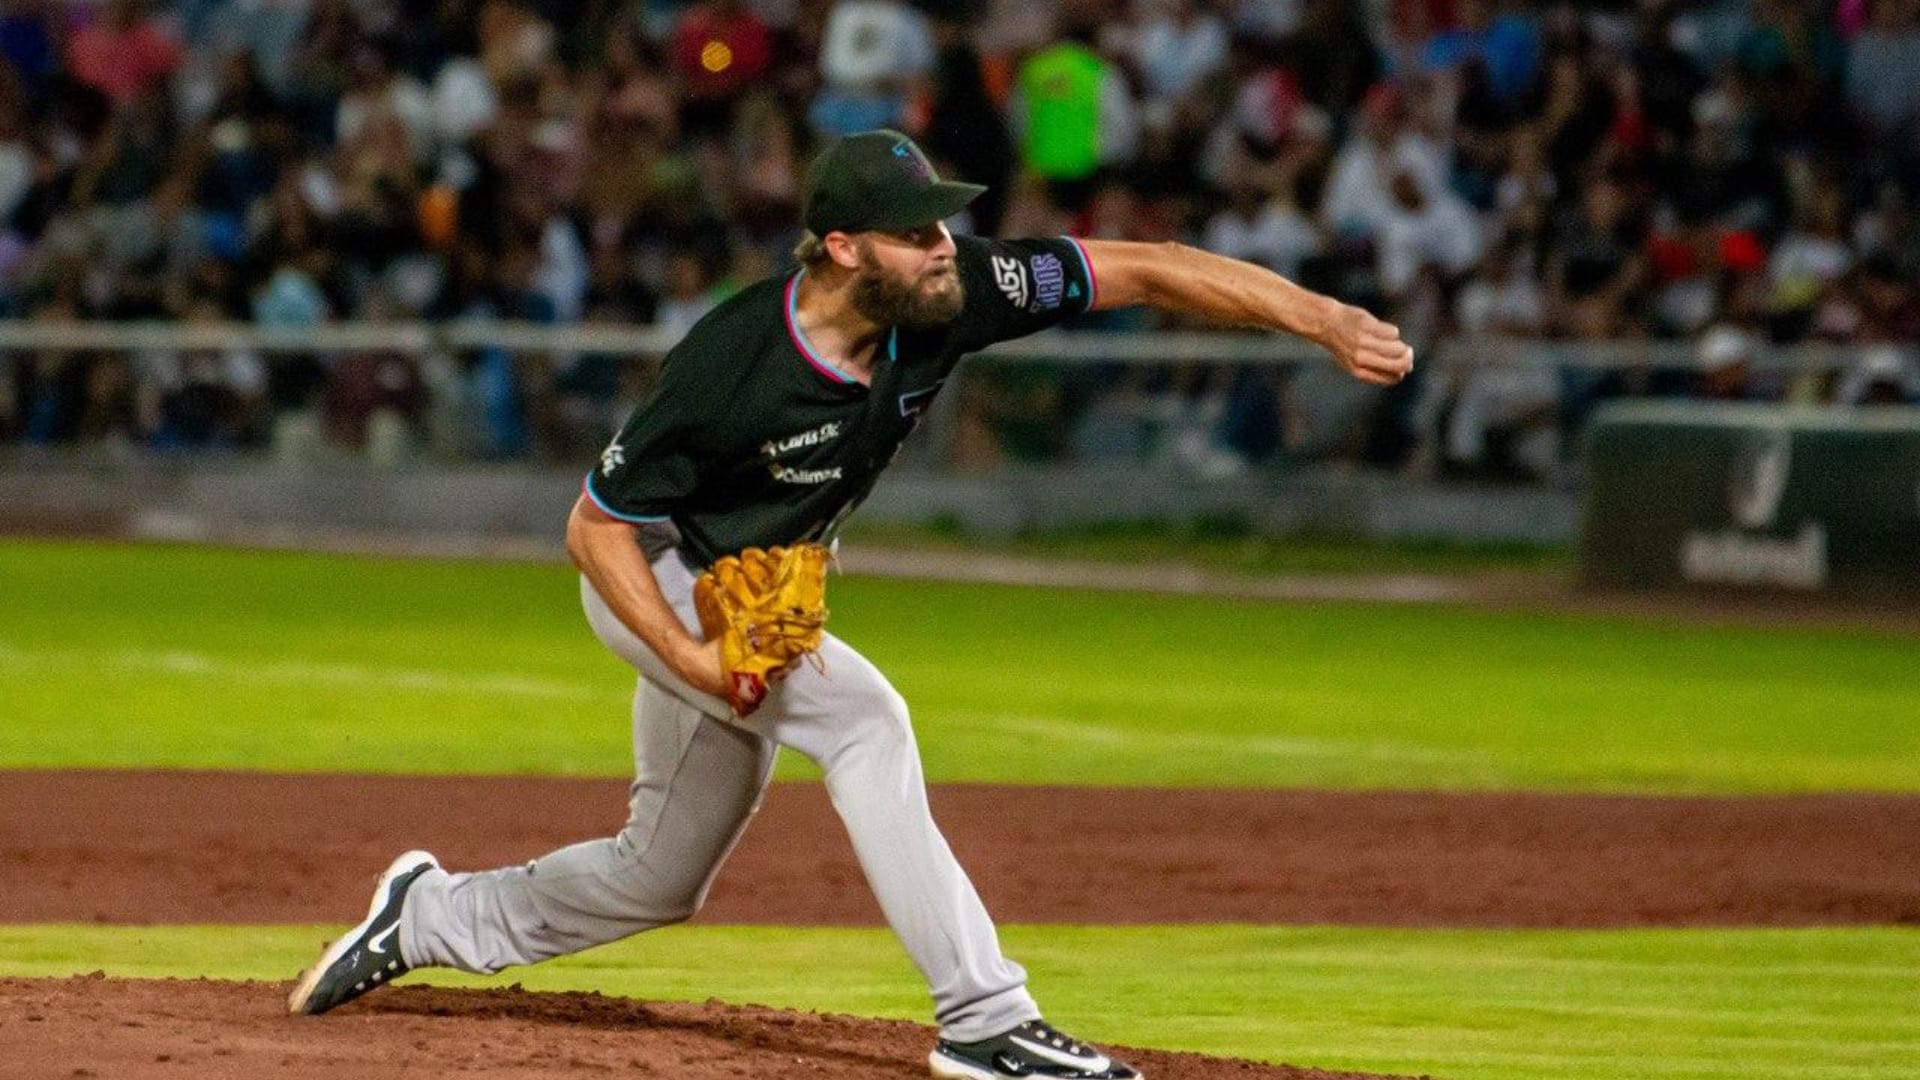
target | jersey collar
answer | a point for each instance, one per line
(812, 356)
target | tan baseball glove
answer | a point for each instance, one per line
(767, 608)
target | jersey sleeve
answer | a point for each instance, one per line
(1018, 287)
(651, 466)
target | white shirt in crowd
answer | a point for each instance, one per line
(403, 98)
(872, 45)
(1359, 195)
(1278, 237)
(1442, 234)
(1174, 58)
(1806, 256)
(1514, 303)
(1270, 19)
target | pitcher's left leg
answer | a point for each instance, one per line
(852, 722)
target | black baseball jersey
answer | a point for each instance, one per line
(752, 439)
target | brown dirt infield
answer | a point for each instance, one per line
(178, 1029)
(159, 847)
(145, 847)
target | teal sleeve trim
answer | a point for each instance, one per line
(1093, 283)
(631, 519)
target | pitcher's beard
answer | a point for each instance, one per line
(895, 303)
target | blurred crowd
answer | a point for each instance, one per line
(1731, 175)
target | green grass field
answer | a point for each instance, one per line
(133, 656)
(1637, 1005)
(182, 657)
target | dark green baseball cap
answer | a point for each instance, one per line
(879, 180)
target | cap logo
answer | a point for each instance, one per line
(916, 165)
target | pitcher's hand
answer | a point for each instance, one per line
(1369, 349)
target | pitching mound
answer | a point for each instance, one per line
(136, 1029)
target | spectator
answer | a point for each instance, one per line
(1359, 200)
(1402, 38)
(1890, 227)
(262, 35)
(1656, 168)
(1880, 82)
(317, 70)
(1428, 230)
(1682, 282)
(1073, 115)
(1526, 189)
(203, 398)
(1506, 48)
(376, 93)
(616, 294)
(1575, 116)
(238, 152)
(373, 393)
(1723, 179)
(124, 53)
(1332, 55)
(594, 390)
(873, 53)
(688, 295)
(1262, 226)
(28, 46)
(1884, 375)
(965, 127)
(17, 157)
(767, 165)
(720, 49)
(107, 410)
(1888, 302)
(1178, 46)
(1596, 267)
(1498, 420)
(1813, 257)
(1668, 78)
(1269, 21)
(461, 103)
(1725, 371)
(630, 90)
(55, 379)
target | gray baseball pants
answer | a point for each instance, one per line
(699, 775)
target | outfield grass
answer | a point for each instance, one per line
(1464, 1005)
(185, 657)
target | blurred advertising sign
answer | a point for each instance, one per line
(1753, 496)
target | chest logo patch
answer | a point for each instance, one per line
(773, 448)
(915, 403)
(803, 476)
(1012, 279)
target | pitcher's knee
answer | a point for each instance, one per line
(877, 725)
(659, 893)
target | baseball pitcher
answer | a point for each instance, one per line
(701, 539)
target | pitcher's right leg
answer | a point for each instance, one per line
(697, 783)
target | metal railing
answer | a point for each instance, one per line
(1062, 346)
(1163, 424)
